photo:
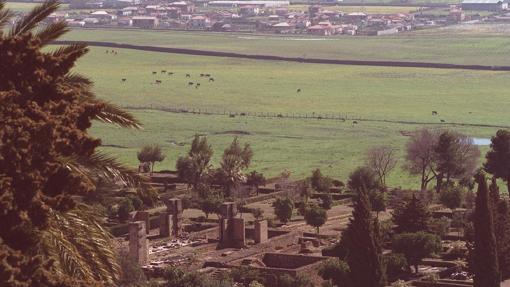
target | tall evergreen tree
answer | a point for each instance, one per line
(412, 217)
(364, 252)
(486, 267)
(501, 217)
(498, 158)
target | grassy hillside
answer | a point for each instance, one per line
(474, 44)
(262, 86)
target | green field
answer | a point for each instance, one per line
(400, 94)
(468, 44)
(26, 6)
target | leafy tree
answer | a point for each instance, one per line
(362, 244)
(485, 255)
(411, 217)
(439, 226)
(255, 179)
(304, 190)
(396, 264)
(337, 272)
(455, 156)
(176, 277)
(235, 160)
(416, 246)
(498, 158)
(246, 275)
(382, 160)
(452, 197)
(326, 201)
(47, 157)
(316, 216)
(195, 167)
(151, 154)
(363, 178)
(125, 207)
(378, 201)
(211, 204)
(320, 182)
(300, 280)
(283, 208)
(420, 155)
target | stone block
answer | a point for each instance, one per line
(165, 224)
(238, 233)
(138, 249)
(143, 216)
(261, 234)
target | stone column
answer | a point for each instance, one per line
(261, 234)
(143, 216)
(165, 224)
(174, 207)
(138, 249)
(238, 233)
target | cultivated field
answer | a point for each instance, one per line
(396, 94)
(466, 44)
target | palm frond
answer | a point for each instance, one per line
(39, 13)
(80, 246)
(73, 49)
(102, 166)
(5, 15)
(52, 32)
(114, 114)
(77, 79)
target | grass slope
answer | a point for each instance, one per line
(484, 46)
(298, 145)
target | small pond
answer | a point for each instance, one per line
(481, 141)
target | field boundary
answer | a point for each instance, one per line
(298, 116)
(195, 52)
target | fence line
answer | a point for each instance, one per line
(343, 117)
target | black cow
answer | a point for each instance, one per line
(211, 79)
(188, 75)
(190, 83)
(158, 81)
(124, 79)
(298, 90)
(434, 113)
(154, 73)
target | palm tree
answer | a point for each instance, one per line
(74, 240)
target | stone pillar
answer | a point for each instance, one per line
(165, 224)
(261, 234)
(138, 249)
(238, 233)
(227, 210)
(174, 207)
(143, 216)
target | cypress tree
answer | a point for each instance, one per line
(486, 267)
(364, 252)
(501, 217)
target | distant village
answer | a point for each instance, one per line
(276, 17)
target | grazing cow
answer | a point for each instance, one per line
(298, 90)
(163, 71)
(115, 53)
(211, 79)
(190, 83)
(154, 73)
(188, 75)
(198, 85)
(158, 81)
(201, 75)
(106, 51)
(170, 73)
(124, 79)
(434, 113)
(207, 75)
(442, 121)
(355, 122)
